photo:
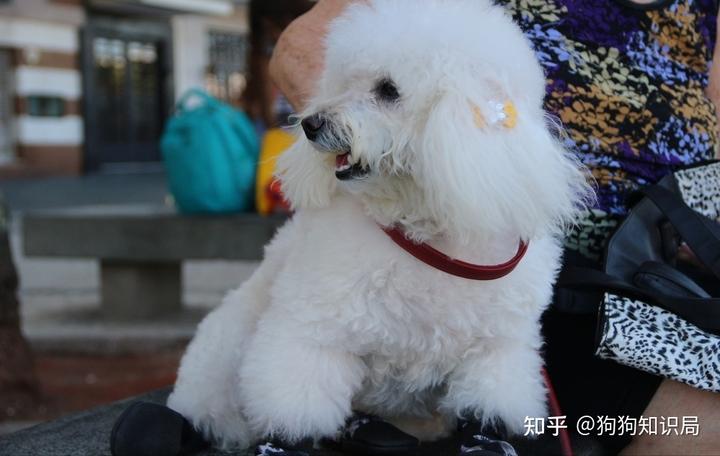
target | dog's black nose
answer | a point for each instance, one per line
(312, 126)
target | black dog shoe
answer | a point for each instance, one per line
(370, 435)
(148, 429)
(271, 449)
(476, 440)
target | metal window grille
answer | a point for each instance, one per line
(226, 76)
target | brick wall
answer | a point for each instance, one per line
(42, 37)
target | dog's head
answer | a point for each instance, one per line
(431, 113)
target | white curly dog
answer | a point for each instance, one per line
(428, 119)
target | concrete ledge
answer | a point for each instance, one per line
(146, 235)
(88, 433)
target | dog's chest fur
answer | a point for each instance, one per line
(410, 323)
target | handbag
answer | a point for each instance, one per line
(656, 314)
(210, 151)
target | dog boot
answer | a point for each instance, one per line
(476, 440)
(272, 449)
(148, 429)
(370, 435)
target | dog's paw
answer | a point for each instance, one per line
(292, 423)
(221, 424)
(233, 434)
(293, 391)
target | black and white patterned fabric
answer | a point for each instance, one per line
(479, 440)
(700, 189)
(657, 341)
(270, 449)
(356, 422)
(486, 446)
(651, 339)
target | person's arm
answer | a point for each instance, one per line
(713, 90)
(298, 58)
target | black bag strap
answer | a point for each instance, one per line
(692, 226)
(702, 312)
(699, 234)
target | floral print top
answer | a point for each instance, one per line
(628, 86)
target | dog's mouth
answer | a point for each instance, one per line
(345, 170)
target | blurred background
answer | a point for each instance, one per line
(137, 139)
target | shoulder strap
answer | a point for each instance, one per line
(702, 312)
(700, 233)
(694, 228)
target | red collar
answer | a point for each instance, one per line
(439, 260)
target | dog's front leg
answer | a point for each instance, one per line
(293, 388)
(499, 382)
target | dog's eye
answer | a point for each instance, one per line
(386, 90)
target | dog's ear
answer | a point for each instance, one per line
(307, 176)
(491, 163)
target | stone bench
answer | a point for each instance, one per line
(141, 250)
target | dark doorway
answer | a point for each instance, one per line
(127, 77)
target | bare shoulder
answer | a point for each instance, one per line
(298, 58)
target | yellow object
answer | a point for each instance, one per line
(499, 112)
(267, 196)
(478, 116)
(510, 115)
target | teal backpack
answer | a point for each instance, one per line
(210, 151)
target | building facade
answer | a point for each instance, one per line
(88, 85)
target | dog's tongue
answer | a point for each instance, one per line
(342, 160)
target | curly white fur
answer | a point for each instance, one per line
(338, 317)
